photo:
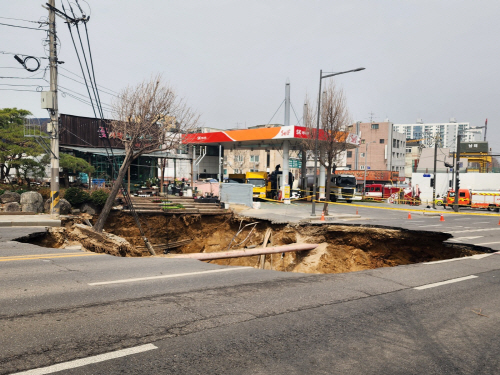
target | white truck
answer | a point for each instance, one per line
(343, 187)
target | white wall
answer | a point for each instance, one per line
(477, 181)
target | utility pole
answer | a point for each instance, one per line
(457, 179)
(434, 175)
(54, 115)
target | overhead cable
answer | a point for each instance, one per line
(22, 27)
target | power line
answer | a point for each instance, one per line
(76, 75)
(23, 27)
(81, 83)
(18, 90)
(20, 19)
(9, 84)
(21, 54)
(22, 77)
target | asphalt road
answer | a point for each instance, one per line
(97, 314)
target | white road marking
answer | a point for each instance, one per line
(170, 276)
(474, 230)
(433, 225)
(488, 243)
(89, 360)
(445, 282)
(477, 256)
(460, 239)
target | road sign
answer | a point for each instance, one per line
(427, 175)
(295, 163)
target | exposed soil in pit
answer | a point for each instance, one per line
(342, 248)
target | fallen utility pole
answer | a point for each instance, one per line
(245, 252)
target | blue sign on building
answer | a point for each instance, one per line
(427, 175)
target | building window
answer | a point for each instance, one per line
(349, 154)
(349, 166)
(362, 167)
(238, 158)
(362, 154)
(225, 171)
(382, 141)
(362, 141)
(374, 126)
(254, 158)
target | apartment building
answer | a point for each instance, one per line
(381, 148)
(445, 131)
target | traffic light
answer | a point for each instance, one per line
(457, 182)
(432, 182)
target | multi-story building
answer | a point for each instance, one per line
(412, 157)
(382, 148)
(445, 132)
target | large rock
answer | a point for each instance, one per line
(12, 207)
(90, 208)
(31, 201)
(64, 206)
(10, 196)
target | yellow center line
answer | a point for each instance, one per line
(448, 212)
(38, 255)
(11, 259)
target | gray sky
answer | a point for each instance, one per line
(230, 59)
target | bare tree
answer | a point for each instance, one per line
(236, 159)
(334, 120)
(149, 117)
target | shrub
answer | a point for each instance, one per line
(76, 196)
(99, 197)
(45, 192)
(2, 191)
(20, 191)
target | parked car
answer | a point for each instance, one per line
(440, 201)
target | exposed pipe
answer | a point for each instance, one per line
(246, 252)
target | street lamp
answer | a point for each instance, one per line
(321, 76)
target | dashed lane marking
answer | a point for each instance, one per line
(488, 243)
(445, 282)
(476, 257)
(473, 230)
(89, 360)
(170, 276)
(460, 239)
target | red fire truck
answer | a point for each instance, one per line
(390, 193)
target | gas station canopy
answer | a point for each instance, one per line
(264, 138)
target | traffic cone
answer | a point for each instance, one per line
(322, 216)
(442, 218)
(409, 215)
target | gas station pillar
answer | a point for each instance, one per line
(285, 190)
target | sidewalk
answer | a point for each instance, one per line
(38, 220)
